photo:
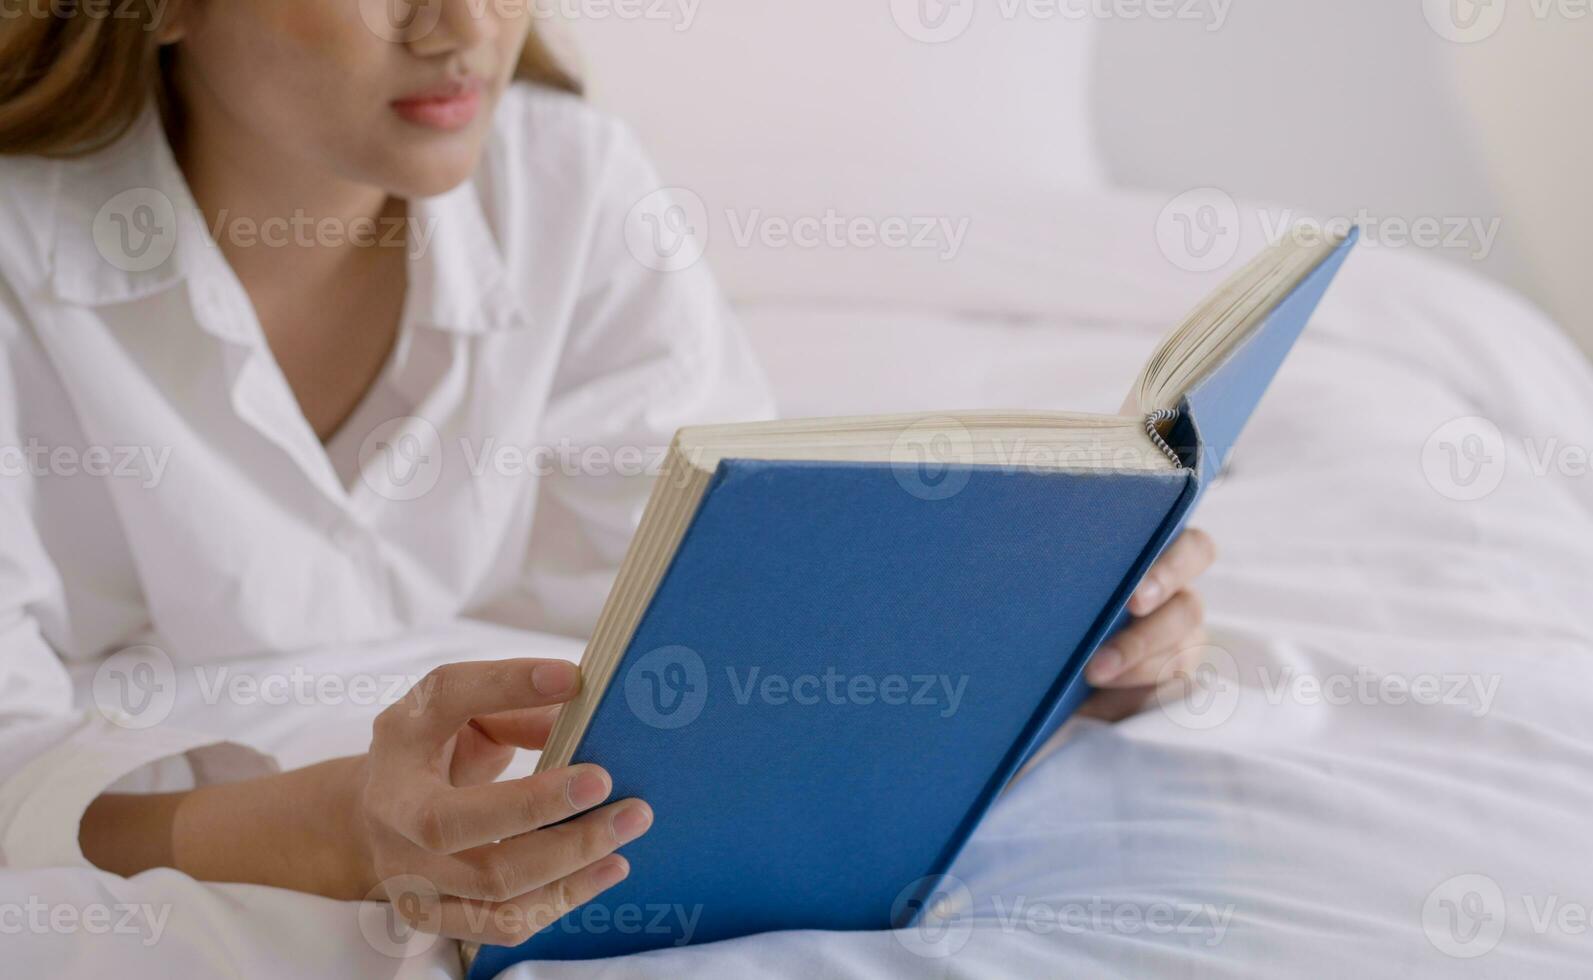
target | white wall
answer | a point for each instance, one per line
(1529, 87)
(1364, 106)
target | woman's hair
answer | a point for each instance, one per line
(72, 81)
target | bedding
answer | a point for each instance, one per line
(1385, 772)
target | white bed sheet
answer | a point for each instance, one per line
(1367, 838)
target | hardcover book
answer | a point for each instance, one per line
(833, 642)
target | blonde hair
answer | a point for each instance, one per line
(72, 83)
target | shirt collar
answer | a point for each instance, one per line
(458, 277)
(126, 226)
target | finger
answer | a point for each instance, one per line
(1114, 704)
(1184, 561)
(513, 922)
(1160, 665)
(450, 820)
(477, 757)
(1134, 655)
(487, 745)
(527, 728)
(499, 872)
(448, 697)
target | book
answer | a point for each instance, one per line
(833, 642)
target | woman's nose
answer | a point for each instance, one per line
(457, 25)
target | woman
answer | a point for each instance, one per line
(282, 258)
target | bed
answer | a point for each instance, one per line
(1388, 770)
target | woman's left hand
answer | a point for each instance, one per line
(1166, 635)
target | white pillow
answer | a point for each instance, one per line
(846, 149)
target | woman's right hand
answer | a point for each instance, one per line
(417, 820)
(460, 855)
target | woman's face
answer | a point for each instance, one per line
(395, 94)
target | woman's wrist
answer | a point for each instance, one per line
(298, 830)
(301, 830)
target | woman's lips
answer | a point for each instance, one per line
(449, 107)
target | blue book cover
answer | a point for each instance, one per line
(837, 669)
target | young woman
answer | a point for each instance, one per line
(265, 265)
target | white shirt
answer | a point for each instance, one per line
(160, 486)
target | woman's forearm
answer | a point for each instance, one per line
(295, 830)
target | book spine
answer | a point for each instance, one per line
(1153, 423)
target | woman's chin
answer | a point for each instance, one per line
(429, 178)
(428, 167)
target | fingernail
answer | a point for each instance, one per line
(1106, 664)
(614, 871)
(632, 822)
(554, 678)
(1150, 591)
(587, 789)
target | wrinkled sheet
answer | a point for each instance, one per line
(1388, 773)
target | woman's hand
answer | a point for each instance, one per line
(469, 858)
(1166, 635)
(418, 819)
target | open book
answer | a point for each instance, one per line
(834, 641)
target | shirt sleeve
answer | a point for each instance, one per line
(56, 755)
(653, 346)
